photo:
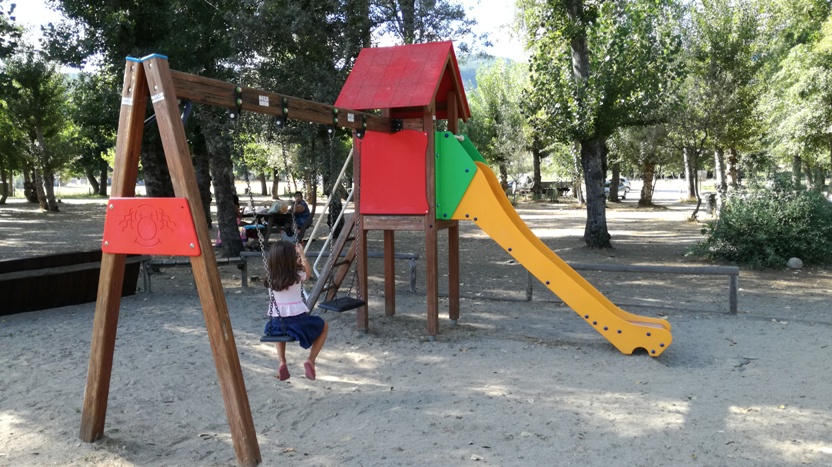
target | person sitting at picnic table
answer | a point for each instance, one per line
(301, 211)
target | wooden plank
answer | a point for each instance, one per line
(201, 90)
(394, 223)
(691, 270)
(389, 273)
(111, 279)
(44, 272)
(206, 275)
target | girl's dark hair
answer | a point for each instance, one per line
(284, 268)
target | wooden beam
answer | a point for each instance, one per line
(394, 222)
(201, 90)
(111, 279)
(206, 275)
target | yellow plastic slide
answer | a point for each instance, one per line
(485, 203)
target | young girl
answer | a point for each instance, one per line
(287, 269)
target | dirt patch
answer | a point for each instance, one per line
(513, 383)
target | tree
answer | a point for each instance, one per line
(646, 147)
(597, 67)
(94, 109)
(497, 126)
(38, 104)
(724, 51)
(797, 102)
(420, 21)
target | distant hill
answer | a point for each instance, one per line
(468, 66)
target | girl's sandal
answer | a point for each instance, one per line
(283, 372)
(310, 371)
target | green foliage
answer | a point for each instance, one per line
(631, 46)
(497, 126)
(765, 227)
(9, 32)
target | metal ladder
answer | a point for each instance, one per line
(337, 267)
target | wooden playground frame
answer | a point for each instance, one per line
(151, 78)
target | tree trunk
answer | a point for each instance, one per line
(4, 184)
(614, 181)
(41, 194)
(275, 184)
(596, 234)
(49, 189)
(537, 182)
(29, 183)
(155, 168)
(503, 176)
(733, 170)
(408, 21)
(690, 171)
(264, 187)
(102, 184)
(90, 174)
(719, 172)
(797, 171)
(649, 173)
(577, 173)
(222, 177)
(202, 169)
(48, 174)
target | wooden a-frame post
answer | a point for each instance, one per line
(151, 76)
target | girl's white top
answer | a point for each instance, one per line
(289, 301)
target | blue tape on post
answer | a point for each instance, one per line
(134, 59)
(144, 59)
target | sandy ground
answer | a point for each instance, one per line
(514, 383)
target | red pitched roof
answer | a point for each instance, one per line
(404, 79)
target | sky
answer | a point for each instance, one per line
(491, 15)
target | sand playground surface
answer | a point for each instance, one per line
(515, 382)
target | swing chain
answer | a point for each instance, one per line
(359, 234)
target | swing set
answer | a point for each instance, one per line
(397, 175)
(175, 226)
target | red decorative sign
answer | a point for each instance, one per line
(150, 226)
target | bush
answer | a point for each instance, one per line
(763, 228)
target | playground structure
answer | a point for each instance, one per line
(409, 177)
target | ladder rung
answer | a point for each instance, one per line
(340, 263)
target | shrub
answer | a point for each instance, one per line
(763, 228)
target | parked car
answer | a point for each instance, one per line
(624, 181)
(622, 190)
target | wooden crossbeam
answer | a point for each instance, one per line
(201, 90)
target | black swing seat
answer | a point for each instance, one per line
(278, 338)
(341, 304)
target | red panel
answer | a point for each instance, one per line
(393, 173)
(150, 226)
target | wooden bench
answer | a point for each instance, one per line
(149, 267)
(732, 272)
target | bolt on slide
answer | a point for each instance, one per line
(467, 189)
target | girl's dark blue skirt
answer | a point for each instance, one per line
(305, 328)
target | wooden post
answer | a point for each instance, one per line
(111, 280)
(389, 273)
(206, 275)
(453, 231)
(431, 237)
(733, 286)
